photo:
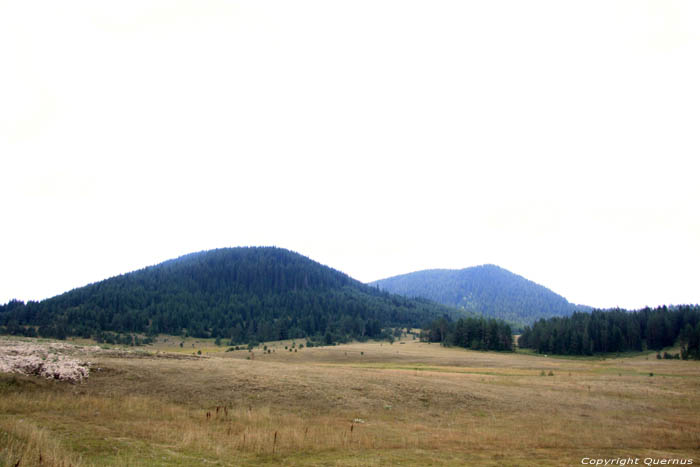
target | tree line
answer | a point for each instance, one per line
(618, 330)
(476, 333)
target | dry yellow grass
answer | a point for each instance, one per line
(356, 404)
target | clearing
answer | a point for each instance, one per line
(359, 404)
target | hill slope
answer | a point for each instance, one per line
(245, 294)
(487, 289)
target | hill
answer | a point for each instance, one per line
(242, 294)
(488, 289)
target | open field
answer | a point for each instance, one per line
(359, 404)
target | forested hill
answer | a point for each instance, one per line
(241, 294)
(488, 289)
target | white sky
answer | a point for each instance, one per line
(557, 139)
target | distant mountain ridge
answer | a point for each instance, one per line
(488, 289)
(243, 294)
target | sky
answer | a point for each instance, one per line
(557, 139)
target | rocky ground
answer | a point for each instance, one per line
(59, 361)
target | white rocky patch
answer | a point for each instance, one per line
(49, 360)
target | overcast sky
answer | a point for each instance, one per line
(557, 139)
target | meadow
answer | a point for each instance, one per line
(359, 404)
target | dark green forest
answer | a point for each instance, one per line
(240, 294)
(488, 290)
(476, 333)
(617, 331)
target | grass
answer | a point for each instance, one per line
(602, 356)
(356, 404)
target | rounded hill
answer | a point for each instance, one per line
(243, 294)
(487, 289)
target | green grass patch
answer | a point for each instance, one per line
(595, 357)
(439, 369)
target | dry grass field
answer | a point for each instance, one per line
(359, 404)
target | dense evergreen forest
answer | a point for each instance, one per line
(476, 333)
(239, 294)
(617, 331)
(489, 290)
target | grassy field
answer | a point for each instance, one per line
(359, 404)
